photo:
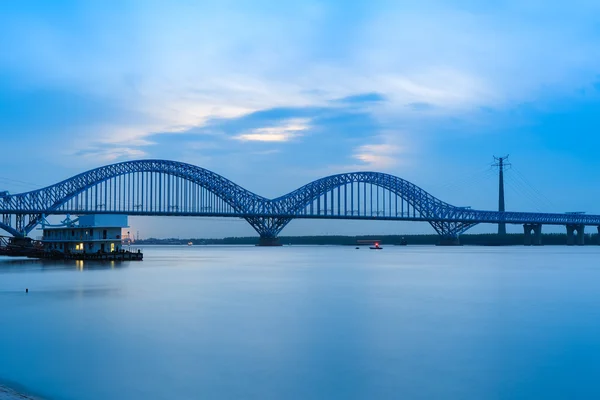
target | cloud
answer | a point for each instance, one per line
(267, 152)
(420, 106)
(378, 156)
(393, 59)
(365, 98)
(284, 132)
(107, 155)
(386, 151)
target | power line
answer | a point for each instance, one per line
(529, 191)
(531, 187)
(520, 190)
(467, 181)
(19, 183)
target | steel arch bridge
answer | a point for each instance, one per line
(171, 188)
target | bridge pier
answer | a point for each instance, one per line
(450, 231)
(268, 229)
(268, 241)
(575, 235)
(598, 237)
(449, 241)
(532, 234)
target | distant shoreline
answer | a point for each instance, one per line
(474, 239)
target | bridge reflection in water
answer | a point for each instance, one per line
(170, 188)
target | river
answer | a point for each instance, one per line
(305, 322)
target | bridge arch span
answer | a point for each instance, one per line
(73, 194)
(329, 193)
(417, 197)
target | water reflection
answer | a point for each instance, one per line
(79, 292)
(8, 264)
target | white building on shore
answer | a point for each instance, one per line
(97, 233)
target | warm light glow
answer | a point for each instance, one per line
(112, 247)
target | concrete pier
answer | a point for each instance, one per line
(532, 234)
(575, 235)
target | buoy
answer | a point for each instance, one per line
(26, 290)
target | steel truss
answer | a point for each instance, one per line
(161, 187)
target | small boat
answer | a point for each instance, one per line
(376, 247)
(190, 243)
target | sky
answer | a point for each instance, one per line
(273, 95)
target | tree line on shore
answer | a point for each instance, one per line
(467, 239)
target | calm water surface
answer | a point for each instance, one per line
(306, 323)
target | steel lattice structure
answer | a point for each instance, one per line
(170, 188)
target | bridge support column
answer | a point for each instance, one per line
(575, 235)
(449, 231)
(598, 237)
(449, 240)
(268, 241)
(532, 234)
(581, 236)
(527, 234)
(268, 229)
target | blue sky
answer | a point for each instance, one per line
(275, 94)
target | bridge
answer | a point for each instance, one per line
(171, 188)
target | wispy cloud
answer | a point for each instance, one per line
(378, 156)
(267, 152)
(284, 132)
(104, 154)
(387, 152)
